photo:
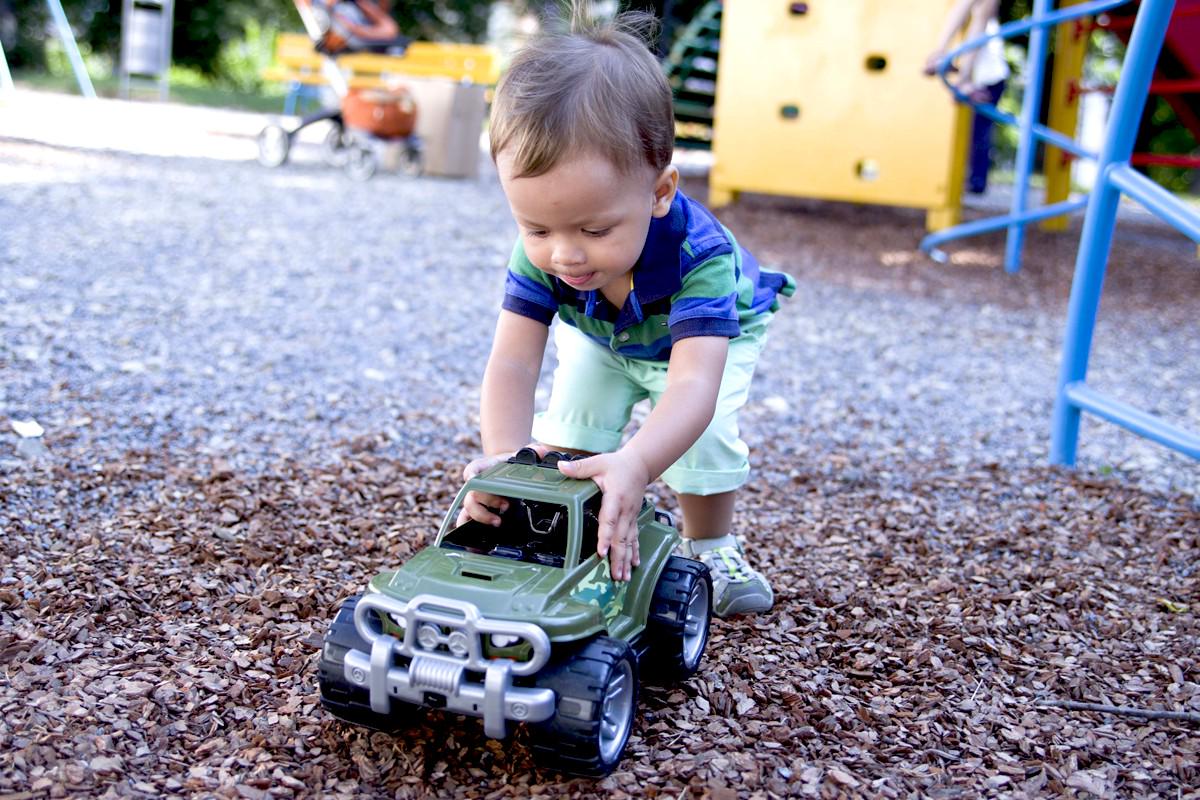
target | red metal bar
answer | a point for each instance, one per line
(1189, 86)
(1175, 86)
(1164, 160)
(1125, 22)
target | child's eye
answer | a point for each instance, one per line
(536, 234)
(601, 232)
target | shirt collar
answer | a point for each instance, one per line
(658, 272)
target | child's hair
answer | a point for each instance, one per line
(596, 88)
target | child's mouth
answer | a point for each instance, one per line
(579, 281)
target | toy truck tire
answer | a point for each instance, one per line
(596, 692)
(677, 627)
(342, 698)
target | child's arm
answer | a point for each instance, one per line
(953, 24)
(981, 12)
(506, 404)
(681, 415)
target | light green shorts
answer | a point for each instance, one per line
(595, 390)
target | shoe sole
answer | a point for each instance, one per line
(745, 605)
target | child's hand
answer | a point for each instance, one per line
(623, 478)
(478, 505)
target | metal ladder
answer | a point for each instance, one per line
(1115, 177)
(1030, 131)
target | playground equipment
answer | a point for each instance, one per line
(1116, 177)
(367, 122)
(691, 67)
(828, 100)
(6, 81)
(72, 49)
(1057, 134)
(1176, 79)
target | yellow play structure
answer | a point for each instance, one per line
(827, 99)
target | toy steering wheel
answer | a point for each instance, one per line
(548, 524)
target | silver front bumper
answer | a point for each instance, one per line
(434, 669)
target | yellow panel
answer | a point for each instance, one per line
(887, 134)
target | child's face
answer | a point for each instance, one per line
(584, 221)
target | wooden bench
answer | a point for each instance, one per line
(299, 65)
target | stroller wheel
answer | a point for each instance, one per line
(412, 160)
(273, 146)
(361, 163)
(337, 143)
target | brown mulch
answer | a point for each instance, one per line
(162, 623)
(940, 601)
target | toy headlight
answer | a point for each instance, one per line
(428, 636)
(458, 644)
(504, 639)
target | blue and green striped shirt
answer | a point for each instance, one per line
(692, 279)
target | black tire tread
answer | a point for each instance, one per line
(665, 622)
(568, 744)
(344, 700)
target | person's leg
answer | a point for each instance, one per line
(981, 144)
(706, 479)
(707, 516)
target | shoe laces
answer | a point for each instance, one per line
(728, 561)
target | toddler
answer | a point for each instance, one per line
(655, 299)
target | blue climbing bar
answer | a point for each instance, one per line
(1030, 131)
(1031, 104)
(1114, 178)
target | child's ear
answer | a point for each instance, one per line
(665, 186)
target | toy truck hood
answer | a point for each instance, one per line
(500, 588)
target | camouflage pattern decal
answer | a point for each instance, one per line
(599, 590)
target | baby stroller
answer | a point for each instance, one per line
(367, 121)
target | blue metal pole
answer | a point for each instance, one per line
(1096, 239)
(1027, 144)
(988, 224)
(68, 43)
(6, 81)
(1041, 132)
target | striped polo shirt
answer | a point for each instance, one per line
(691, 279)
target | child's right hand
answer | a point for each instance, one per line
(481, 506)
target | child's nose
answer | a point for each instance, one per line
(567, 254)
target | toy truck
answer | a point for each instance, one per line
(522, 623)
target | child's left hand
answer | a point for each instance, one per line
(623, 478)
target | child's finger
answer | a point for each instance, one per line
(622, 550)
(480, 464)
(479, 507)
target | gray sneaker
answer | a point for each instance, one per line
(738, 588)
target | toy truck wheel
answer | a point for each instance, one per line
(340, 697)
(596, 689)
(677, 627)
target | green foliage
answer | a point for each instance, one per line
(222, 39)
(240, 63)
(1165, 135)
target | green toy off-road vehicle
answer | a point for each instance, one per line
(523, 623)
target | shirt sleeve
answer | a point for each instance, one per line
(527, 290)
(706, 303)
